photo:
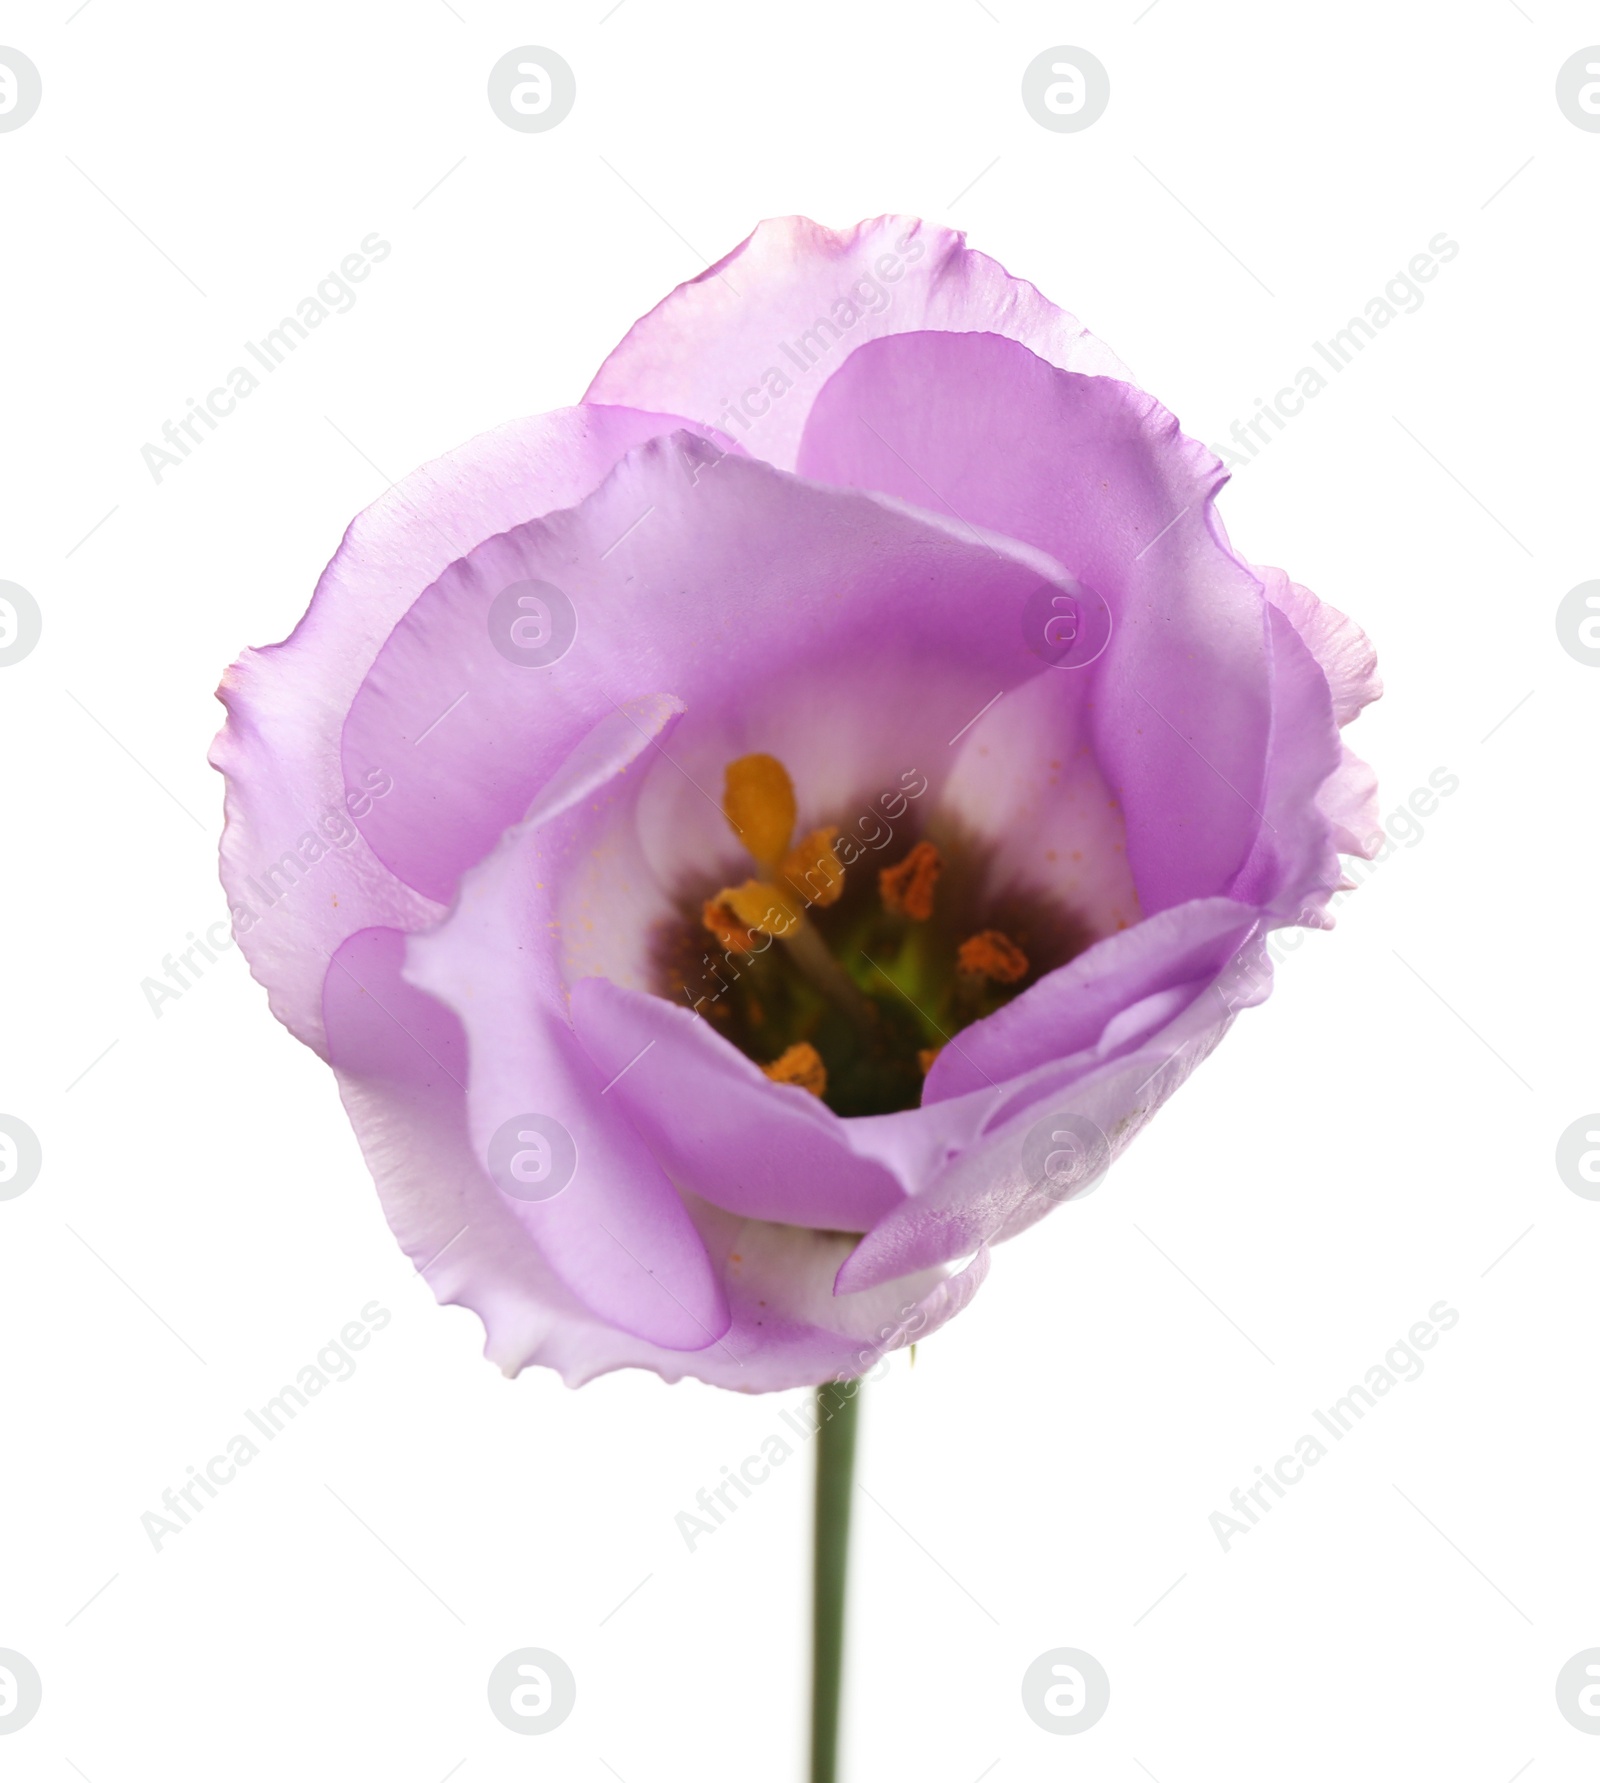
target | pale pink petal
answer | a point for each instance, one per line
(747, 344)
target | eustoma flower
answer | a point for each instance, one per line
(752, 841)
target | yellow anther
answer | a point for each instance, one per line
(813, 870)
(990, 954)
(764, 908)
(802, 1066)
(907, 889)
(727, 928)
(758, 802)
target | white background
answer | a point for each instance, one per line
(1369, 1142)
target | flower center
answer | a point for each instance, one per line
(843, 973)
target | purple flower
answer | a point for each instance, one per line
(751, 841)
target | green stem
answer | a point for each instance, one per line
(837, 1406)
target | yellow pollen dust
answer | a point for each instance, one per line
(802, 1066)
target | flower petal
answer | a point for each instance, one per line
(1343, 650)
(1348, 799)
(1027, 785)
(1294, 867)
(617, 1235)
(678, 571)
(1066, 1014)
(288, 819)
(990, 1191)
(765, 1150)
(401, 1059)
(1107, 484)
(746, 345)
